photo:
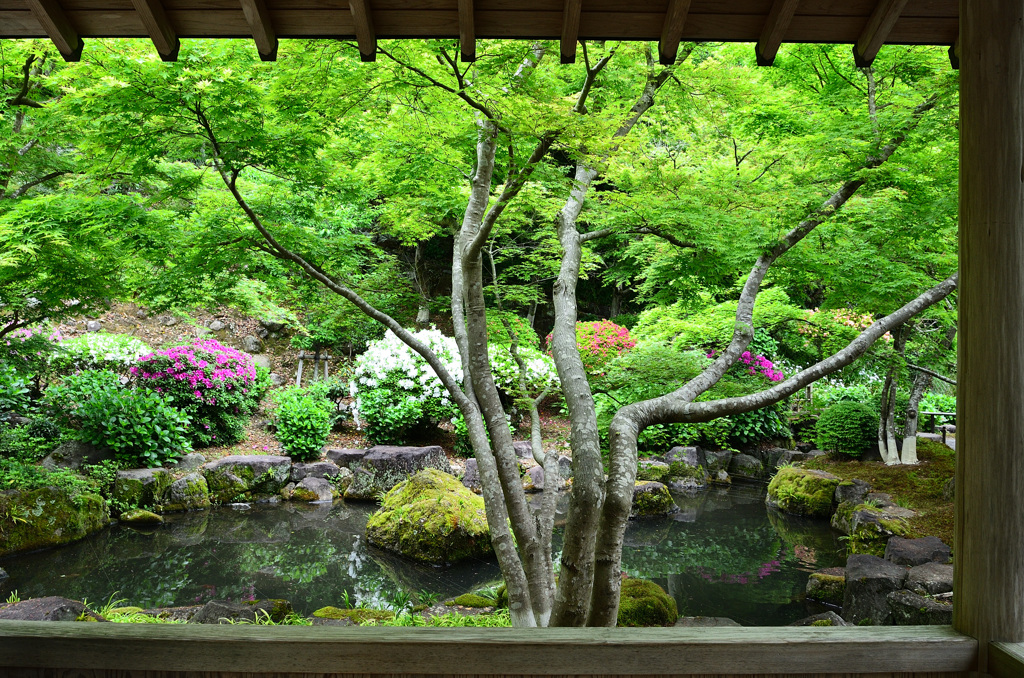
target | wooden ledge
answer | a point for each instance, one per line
(1006, 660)
(599, 652)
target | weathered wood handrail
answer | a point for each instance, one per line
(44, 648)
(1006, 660)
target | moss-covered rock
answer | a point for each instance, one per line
(433, 518)
(651, 470)
(140, 517)
(49, 516)
(357, 615)
(651, 500)
(827, 586)
(385, 466)
(244, 477)
(141, 487)
(869, 527)
(644, 603)
(803, 492)
(471, 600)
(188, 493)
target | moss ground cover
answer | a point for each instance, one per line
(918, 487)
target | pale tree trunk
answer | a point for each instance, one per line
(887, 414)
(679, 406)
(922, 382)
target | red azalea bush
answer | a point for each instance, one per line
(600, 342)
(217, 386)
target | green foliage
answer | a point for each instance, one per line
(142, 427)
(19, 475)
(27, 351)
(304, 419)
(390, 418)
(62, 400)
(498, 619)
(931, 402)
(497, 333)
(25, 443)
(848, 428)
(14, 391)
(103, 475)
(115, 352)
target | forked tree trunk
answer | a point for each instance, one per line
(887, 415)
(922, 382)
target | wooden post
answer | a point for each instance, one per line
(298, 374)
(989, 543)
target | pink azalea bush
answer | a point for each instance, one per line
(758, 364)
(218, 386)
(600, 342)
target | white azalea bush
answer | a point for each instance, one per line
(398, 394)
(114, 352)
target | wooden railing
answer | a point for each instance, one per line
(99, 650)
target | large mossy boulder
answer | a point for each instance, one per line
(746, 467)
(245, 477)
(431, 517)
(869, 526)
(48, 516)
(141, 487)
(644, 603)
(827, 586)
(651, 500)
(188, 493)
(385, 466)
(802, 492)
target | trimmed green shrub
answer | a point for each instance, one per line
(848, 428)
(304, 420)
(140, 426)
(644, 603)
(14, 391)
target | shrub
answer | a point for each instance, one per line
(140, 426)
(61, 401)
(848, 428)
(24, 444)
(497, 333)
(27, 350)
(390, 417)
(304, 419)
(216, 386)
(540, 370)
(116, 352)
(600, 342)
(14, 391)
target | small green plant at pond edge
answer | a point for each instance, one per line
(847, 428)
(500, 619)
(304, 420)
(13, 597)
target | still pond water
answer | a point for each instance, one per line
(722, 555)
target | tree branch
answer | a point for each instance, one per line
(930, 373)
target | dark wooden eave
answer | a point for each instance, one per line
(866, 24)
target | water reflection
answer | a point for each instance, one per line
(722, 554)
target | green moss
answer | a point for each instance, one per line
(304, 494)
(680, 469)
(431, 517)
(827, 588)
(651, 499)
(48, 516)
(140, 517)
(644, 603)
(130, 609)
(802, 492)
(471, 600)
(822, 622)
(359, 615)
(868, 527)
(651, 472)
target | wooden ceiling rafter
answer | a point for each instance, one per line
(467, 31)
(774, 31)
(366, 37)
(876, 31)
(54, 21)
(164, 38)
(571, 12)
(672, 31)
(258, 17)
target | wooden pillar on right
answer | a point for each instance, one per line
(989, 544)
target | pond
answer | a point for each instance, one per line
(722, 555)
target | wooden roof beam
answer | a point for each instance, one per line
(570, 29)
(672, 31)
(774, 31)
(258, 18)
(53, 20)
(467, 31)
(366, 37)
(159, 28)
(876, 31)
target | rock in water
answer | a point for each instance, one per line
(313, 489)
(931, 578)
(188, 493)
(644, 603)
(827, 586)
(869, 581)
(910, 609)
(803, 492)
(746, 467)
(384, 466)
(51, 608)
(433, 518)
(48, 516)
(248, 476)
(140, 517)
(651, 500)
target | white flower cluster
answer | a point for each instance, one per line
(540, 370)
(101, 350)
(390, 363)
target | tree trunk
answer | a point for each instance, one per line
(921, 383)
(887, 415)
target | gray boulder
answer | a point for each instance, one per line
(565, 467)
(262, 360)
(188, 493)
(141, 487)
(691, 455)
(717, 460)
(251, 344)
(94, 326)
(930, 578)
(384, 466)
(73, 454)
(911, 609)
(313, 489)
(704, 622)
(190, 462)
(911, 552)
(217, 325)
(345, 457)
(272, 325)
(651, 500)
(869, 581)
(852, 491)
(746, 467)
(316, 469)
(471, 477)
(827, 586)
(523, 449)
(50, 608)
(829, 618)
(533, 479)
(226, 612)
(249, 476)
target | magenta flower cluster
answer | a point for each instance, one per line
(205, 367)
(758, 364)
(599, 342)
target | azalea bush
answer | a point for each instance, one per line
(29, 350)
(541, 375)
(599, 343)
(117, 352)
(216, 386)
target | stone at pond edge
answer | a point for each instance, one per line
(3, 574)
(827, 586)
(140, 517)
(930, 578)
(911, 552)
(705, 622)
(910, 609)
(385, 466)
(746, 467)
(74, 454)
(802, 492)
(471, 477)
(852, 491)
(651, 499)
(345, 457)
(316, 469)
(190, 462)
(533, 479)
(870, 527)
(141, 487)
(433, 518)
(869, 581)
(718, 460)
(226, 611)
(188, 493)
(247, 476)
(50, 608)
(651, 470)
(348, 617)
(313, 489)
(829, 618)
(48, 516)
(565, 467)
(644, 603)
